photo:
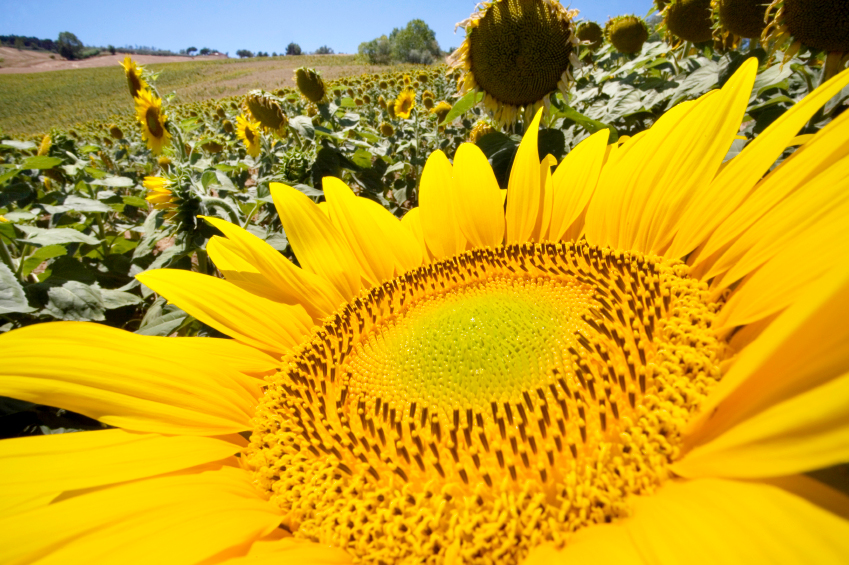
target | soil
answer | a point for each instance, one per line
(13, 61)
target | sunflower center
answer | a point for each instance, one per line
(151, 117)
(519, 50)
(479, 406)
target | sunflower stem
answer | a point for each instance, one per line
(203, 263)
(6, 257)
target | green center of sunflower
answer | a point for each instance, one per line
(476, 407)
(519, 50)
(151, 117)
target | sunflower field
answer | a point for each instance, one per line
(92, 216)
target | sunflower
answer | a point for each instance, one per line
(689, 20)
(517, 52)
(159, 194)
(819, 25)
(734, 20)
(248, 131)
(591, 34)
(115, 132)
(645, 347)
(152, 120)
(134, 77)
(627, 34)
(405, 103)
(44, 146)
(267, 109)
(441, 110)
(310, 85)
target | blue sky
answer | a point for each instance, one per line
(259, 25)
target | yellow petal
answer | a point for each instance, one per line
(605, 544)
(813, 491)
(246, 317)
(319, 246)
(807, 432)
(286, 282)
(823, 198)
(398, 241)
(291, 550)
(574, 182)
(695, 166)
(543, 223)
(733, 184)
(782, 279)
(178, 519)
(805, 346)
(718, 521)
(42, 465)
(125, 380)
(412, 220)
(359, 230)
(523, 188)
(479, 208)
(438, 205)
(12, 503)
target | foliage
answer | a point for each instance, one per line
(323, 50)
(244, 53)
(69, 46)
(28, 43)
(416, 43)
(293, 49)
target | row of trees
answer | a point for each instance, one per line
(416, 43)
(291, 49)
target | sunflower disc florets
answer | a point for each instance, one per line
(689, 20)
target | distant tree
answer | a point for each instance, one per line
(377, 51)
(293, 49)
(69, 45)
(205, 51)
(19, 43)
(111, 49)
(324, 50)
(191, 50)
(274, 53)
(242, 53)
(413, 43)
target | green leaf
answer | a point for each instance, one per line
(79, 204)
(42, 254)
(114, 182)
(75, 301)
(117, 299)
(12, 297)
(462, 106)
(303, 125)
(136, 201)
(40, 162)
(19, 145)
(586, 122)
(8, 175)
(348, 103)
(57, 236)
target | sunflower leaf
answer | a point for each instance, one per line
(462, 106)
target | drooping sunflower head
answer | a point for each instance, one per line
(159, 194)
(116, 132)
(689, 20)
(591, 34)
(517, 52)
(405, 103)
(44, 146)
(480, 129)
(386, 129)
(626, 33)
(737, 19)
(266, 109)
(311, 85)
(227, 126)
(133, 72)
(381, 101)
(248, 132)
(428, 103)
(174, 195)
(441, 110)
(819, 25)
(212, 145)
(152, 119)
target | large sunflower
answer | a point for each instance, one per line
(152, 119)
(646, 347)
(405, 103)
